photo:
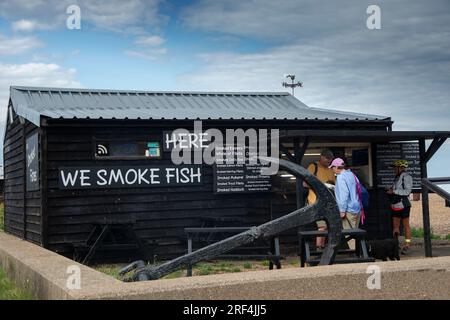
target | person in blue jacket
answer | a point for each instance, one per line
(347, 198)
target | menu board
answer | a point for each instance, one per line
(387, 153)
(32, 162)
(239, 177)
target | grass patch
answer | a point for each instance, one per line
(224, 264)
(419, 233)
(447, 237)
(109, 269)
(207, 268)
(199, 269)
(203, 269)
(174, 275)
(8, 291)
(294, 262)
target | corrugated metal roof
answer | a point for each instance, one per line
(34, 102)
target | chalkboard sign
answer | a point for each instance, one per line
(239, 177)
(32, 162)
(387, 153)
(129, 177)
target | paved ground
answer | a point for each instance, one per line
(439, 215)
(418, 252)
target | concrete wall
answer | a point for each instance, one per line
(44, 273)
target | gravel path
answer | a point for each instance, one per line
(439, 215)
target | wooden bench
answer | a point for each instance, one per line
(274, 259)
(219, 222)
(122, 238)
(312, 257)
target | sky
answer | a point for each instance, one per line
(401, 70)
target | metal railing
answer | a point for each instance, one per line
(432, 185)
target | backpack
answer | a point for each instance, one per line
(363, 196)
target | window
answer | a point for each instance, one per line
(357, 155)
(127, 149)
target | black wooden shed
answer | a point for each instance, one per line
(52, 133)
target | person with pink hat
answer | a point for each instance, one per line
(347, 196)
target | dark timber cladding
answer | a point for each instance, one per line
(161, 213)
(22, 206)
(54, 135)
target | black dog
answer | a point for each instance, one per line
(384, 249)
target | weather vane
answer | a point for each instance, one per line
(292, 85)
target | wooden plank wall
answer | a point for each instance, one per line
(161, 214)
(22, 209)
(13, 157)
(33, 200)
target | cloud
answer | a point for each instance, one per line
(35, 74)
(17, 45)
(129, 16)
(267, 19)
(151, 41)
(148, 47)
(337, 76)
(132, 16)
(28, 26)
(402, 70)
(303, 20)
(32, 74)
(149, 54)
(28, 15)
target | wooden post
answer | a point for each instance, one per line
(299, 152)
(425, 201)
(189, 267)
(277, 246)
(299, 189)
